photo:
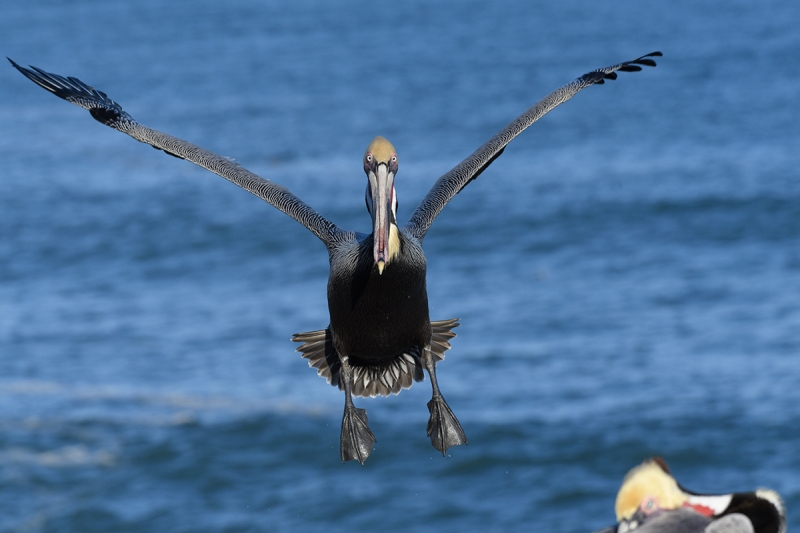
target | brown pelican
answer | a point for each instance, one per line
(380, 336)
(651, 501)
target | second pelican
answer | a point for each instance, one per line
(651, 501)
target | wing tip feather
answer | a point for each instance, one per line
(102, 108)
(598, 77)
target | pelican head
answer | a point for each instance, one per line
(380, 165)
(647, 490)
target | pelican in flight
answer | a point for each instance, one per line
(380, 337)
(651, 501)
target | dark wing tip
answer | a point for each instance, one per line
(599, 76)
(644, 60)
(73, 90)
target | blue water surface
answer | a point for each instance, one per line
(627, 273)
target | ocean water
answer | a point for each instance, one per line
(627, 273)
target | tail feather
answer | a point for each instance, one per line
(370, 381)
(318, 348)
(442, 333)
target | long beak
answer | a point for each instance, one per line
(382, 183)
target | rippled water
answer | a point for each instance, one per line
(626, 274)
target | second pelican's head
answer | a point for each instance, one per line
(380, 165)
(647, 490)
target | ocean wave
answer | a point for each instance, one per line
(74, 455)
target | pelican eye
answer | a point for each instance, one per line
(394, 159)
(649, 505)
(368, 158)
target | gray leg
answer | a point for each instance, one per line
(357, 439)
(443, 427)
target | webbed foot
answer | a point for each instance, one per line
(443, 427)
(357, 439)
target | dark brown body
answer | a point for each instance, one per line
(378, 317)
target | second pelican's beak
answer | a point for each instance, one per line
(381, 183)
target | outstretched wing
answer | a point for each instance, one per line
(110, 113)
(450, 184)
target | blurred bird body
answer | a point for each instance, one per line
(650, 500)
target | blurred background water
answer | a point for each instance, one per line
(627, 274)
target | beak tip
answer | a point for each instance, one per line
(381, 266)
